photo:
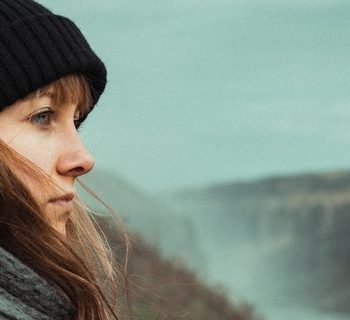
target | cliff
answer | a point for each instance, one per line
(285, 238)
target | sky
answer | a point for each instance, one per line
(208, 91)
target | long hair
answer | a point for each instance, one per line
(81, 265)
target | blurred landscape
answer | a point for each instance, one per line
(165, 261)
(279, 244)
(166, 289)
(207, 97)
(282, 240)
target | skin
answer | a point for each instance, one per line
(46, 135)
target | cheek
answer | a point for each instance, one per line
(39, 150)
(39, 155)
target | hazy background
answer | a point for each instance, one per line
(204, 93)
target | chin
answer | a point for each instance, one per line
(60, 228)
(59, 223)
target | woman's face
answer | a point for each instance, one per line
(46, 135)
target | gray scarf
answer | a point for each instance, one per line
(24, 295)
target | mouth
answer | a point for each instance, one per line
(67, 197)
(65, 201)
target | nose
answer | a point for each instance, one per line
(74, 159)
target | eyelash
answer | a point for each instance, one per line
(32, 118)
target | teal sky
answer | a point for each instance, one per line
(208, 91)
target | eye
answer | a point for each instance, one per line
(42, 119)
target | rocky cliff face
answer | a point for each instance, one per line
(288, 235)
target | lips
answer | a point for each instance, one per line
(64, 202)
(67, 197)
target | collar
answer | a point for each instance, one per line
(26, 295)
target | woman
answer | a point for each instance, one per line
(53, 263)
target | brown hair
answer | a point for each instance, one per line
(80, 264)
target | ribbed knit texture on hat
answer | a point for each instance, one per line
(38, 47)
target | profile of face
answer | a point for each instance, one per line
(46, 135)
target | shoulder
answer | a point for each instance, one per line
(13, 308)
(24, 295)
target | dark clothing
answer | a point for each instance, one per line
(24, 295)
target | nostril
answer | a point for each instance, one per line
(80, 170)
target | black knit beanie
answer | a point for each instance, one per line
(38, 47)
